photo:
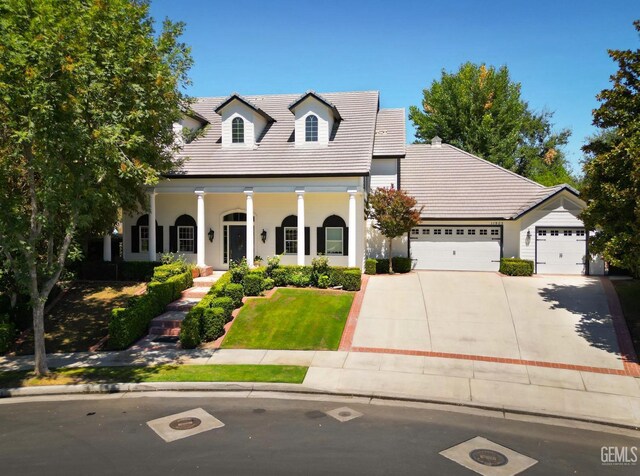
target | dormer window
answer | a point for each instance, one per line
(237, 130)
(311, 128)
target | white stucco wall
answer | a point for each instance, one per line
(384, 173)
(377, 245)
(325, 122)
(254, 124)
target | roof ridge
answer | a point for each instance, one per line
(287, 94)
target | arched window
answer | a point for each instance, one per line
(287, 237)
(333, 237)
(140, 236)
(182, 235)
(237, 130)
(311, 128)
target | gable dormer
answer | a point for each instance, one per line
(188, 127)
(315, 120)
(242, 122)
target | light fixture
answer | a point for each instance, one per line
(263, 235)
(211, 235)
(528, 238)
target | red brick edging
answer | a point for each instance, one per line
(352, 319)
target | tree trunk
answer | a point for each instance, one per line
(38, 338)
(390, 257)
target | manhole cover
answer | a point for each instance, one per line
(488, 457)
(344, 414)
(185, 423)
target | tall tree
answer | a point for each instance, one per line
(88, 95)
(612, 167)
(479, 109)
(393, 213)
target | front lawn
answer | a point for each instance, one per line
(81, 318)
(629, 294)
(292, 319)
(159, 373)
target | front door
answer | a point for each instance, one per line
(237, 242)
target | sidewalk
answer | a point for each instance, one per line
(561, 392)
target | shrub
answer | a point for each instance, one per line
(225, 303)
(136, 270)
(382, 266)
(319, 267)
(349, 278)
(213, 320)
(238, 271)
(516, 267)
(7, 333)
(190, 330)
(401, 265)
(281, 276)
(235, 292)
(268, 284)
(166, 271)
(324, 282)
(253, 284)
(299, 279)
(273, 262)
(370, 266)
(129, 324)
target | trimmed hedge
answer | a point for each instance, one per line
(401, 265)
(370, 266)
(253, 284)
(136, 270)
(213, 321)
(166, 271)
(269, 284)
(235, 292)
(7, 333)
(349, 278)
(190, 333)
(129, 324)
(516, 267)
(382, 266)
(224, 303)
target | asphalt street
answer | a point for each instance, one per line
(275, 436)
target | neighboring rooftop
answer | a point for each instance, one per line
(348, 153)
(390, 139)
(451, 183)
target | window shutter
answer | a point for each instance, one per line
(135, 239)
(173, 239)
(279, 240)
(320, 240)
(345, 241)
(159, 239)
(195, 239)
(307, 240)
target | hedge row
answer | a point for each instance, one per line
(516, 267)
(381, 265)
(122, 271)
(348, 279)
(132, 322)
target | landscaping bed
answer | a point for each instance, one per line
(80, 319)
(629, 295)
(291, 319)
(159, 373)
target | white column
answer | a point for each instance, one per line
(301, 241)
(106, 248)
(351, 261)
(152, 226)
(201, 229)
(249, 248)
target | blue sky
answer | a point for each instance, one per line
(556, 49)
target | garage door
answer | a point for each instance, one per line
(460, 248)
(561, 250)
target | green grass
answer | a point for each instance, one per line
(292, 319)
(629, 294)
(159, 373)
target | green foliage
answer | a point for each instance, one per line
(370, 266)
(299, 279)
(479, 110)
(612, 170)
(253, 284)
(7, 333)
(129, 324)
(238, 270)
(225, 303)
(213, 320)
(166, 271)
(273, 262)
(516, 267)
(401, 265)
(319, 267)
(324, 281)
(136, 270)
(281, 276)
(90, 93)
(382, 266)
(269, 284)
(235, 292)
(190, 329)
(349, 278)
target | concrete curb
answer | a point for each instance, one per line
(291, 390)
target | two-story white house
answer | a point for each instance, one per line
(289, 175)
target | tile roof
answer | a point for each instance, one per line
(334, 109)
(451, 183)
(390, 138)
(349, 153)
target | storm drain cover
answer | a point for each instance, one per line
(344, 414)
(488, 457)
(188, 423)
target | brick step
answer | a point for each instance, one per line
(204, 281)
(163, 331)
(205, 270)
(195, 292)
(182, 304)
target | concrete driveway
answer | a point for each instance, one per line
(560, 319)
